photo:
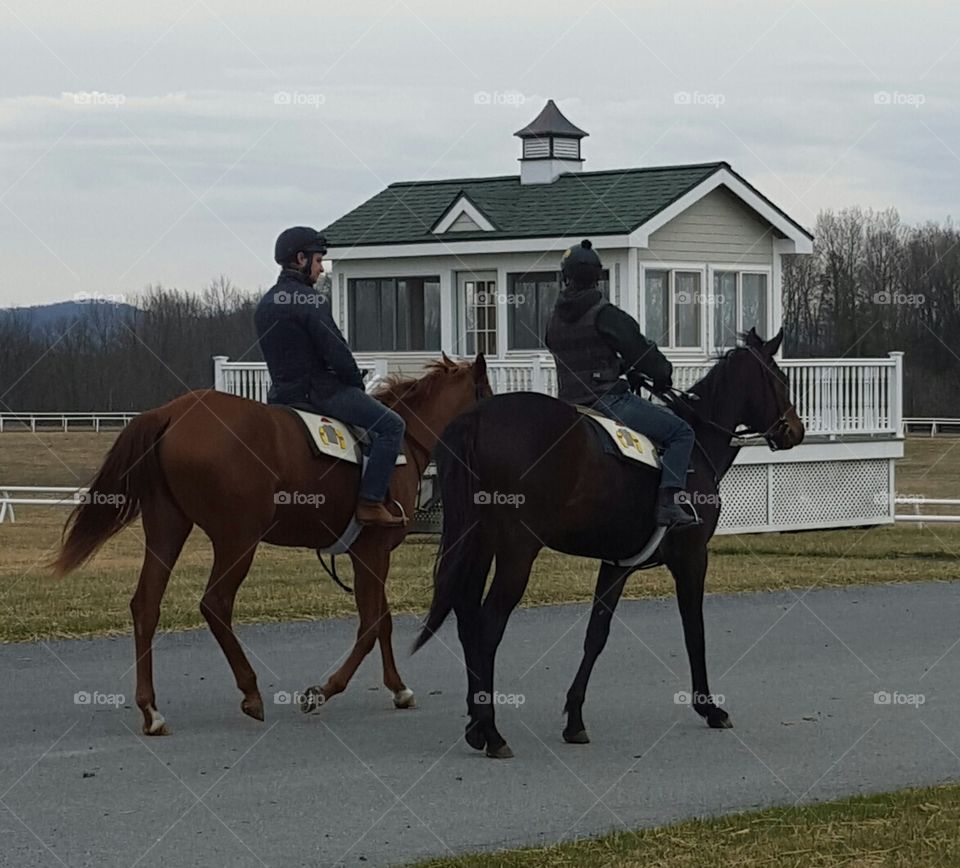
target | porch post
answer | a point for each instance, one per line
(219, 382)
(895, 392)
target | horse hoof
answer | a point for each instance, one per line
(157, 725)
(253, 707)
(312, 699)
(720, 721)
(404, 698)
(475, 738)
(502, 752)
(576, 737)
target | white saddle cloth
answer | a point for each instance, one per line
(335, 438)
(632, 444)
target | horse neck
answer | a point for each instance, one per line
(711, 426)
(425, 418)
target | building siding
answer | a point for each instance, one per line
(719, 228)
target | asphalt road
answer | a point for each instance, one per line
(362, 783)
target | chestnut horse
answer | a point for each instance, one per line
(230, 465)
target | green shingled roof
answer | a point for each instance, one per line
(583, 203)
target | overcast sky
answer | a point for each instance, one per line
(171, 143)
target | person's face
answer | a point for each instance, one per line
(316, 265)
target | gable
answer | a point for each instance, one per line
(720, 227)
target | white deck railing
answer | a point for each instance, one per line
(834, 397)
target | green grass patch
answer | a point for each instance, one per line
(915, 828)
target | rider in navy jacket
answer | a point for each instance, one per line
(310, 363)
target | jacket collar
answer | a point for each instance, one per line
(293, 274)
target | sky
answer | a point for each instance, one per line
(171, 143)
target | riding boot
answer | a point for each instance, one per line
(375, 513)
(670, 513)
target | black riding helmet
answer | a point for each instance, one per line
(292, 241)
(580, 266)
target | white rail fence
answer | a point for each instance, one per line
(933, 423)
(917, 517)
(27, 495)
(834, 397)
(63, 421)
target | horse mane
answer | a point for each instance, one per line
(707, 386)
(395, 388)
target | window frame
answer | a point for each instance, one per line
(396, 279)
(740, 270)
(706, 271)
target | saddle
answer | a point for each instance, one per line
(337, 439)
(617, 439)
(333, 438)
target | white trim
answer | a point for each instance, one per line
(849, 449)
(799, 242)
(462, 206)
(455, 247)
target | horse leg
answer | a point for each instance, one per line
(509, 582)
(166, 529)
(231, 563)
(467, 609)
(369, 575)
(610, 584)
(689, 569)
(402, 695)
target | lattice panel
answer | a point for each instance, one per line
(830, 491)
(744, 496)
(806, 495)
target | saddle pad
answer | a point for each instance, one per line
(334, 438)
(629, 443)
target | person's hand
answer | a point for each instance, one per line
(662, 384)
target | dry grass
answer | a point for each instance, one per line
(288, 584)
(908, 829)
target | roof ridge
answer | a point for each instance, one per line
(709, 165)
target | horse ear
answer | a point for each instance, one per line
(445, 359)
(479, 368)
(752, 339)
(772, 345)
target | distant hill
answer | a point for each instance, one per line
(61, 314)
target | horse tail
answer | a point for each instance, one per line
(460, 559)
(113, 499)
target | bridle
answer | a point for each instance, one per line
(748, 434)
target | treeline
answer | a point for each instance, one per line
(119, 357)
(874, 285)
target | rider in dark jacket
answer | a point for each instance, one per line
(310, 363)
(595, 344)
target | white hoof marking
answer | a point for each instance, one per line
(404, 698)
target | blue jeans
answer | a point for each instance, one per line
(356, 407)
(665, 428)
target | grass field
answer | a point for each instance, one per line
(907, 829)
(288, 584)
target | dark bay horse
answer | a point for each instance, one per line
(521, 472)
(219, 462)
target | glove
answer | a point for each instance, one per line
(662, 384)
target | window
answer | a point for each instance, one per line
(531, 297)
(481, 316)
(740, 302)
(672, 303)
(394, 313)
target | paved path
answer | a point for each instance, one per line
(362, 783)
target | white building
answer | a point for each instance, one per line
(694, 252)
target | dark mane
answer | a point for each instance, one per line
(395, 389)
